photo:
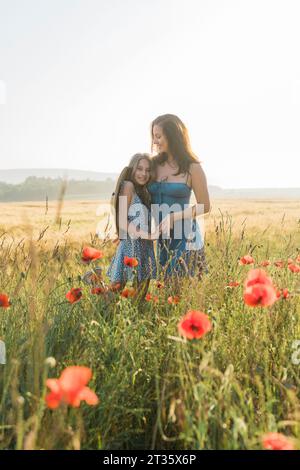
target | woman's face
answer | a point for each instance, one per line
(159, 139)
(142, 173)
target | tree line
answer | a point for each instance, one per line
(38, 189)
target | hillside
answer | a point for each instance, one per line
(19, 175)
(37, 184)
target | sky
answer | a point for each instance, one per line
(81, 81)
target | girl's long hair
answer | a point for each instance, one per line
(178, 139)
(127, 174)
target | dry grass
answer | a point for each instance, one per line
(156, 390)
(80, 219)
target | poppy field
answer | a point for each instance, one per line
(213, 365)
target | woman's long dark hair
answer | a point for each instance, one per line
(127, 174)
(178, 139)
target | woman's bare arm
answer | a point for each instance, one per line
(199, 186)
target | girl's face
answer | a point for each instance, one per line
(142, 173)
(159, 139)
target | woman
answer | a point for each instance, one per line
(177, 172)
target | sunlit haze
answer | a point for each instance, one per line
(80, 82)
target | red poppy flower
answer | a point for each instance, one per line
(174, 300)
(278, 293)
(247, 259)
(265, 263)
(279, 263)
(298, 259)
(294, 268)
(285, 293)
(4, 301)
(277, 441)
(131, 262)
(98, 290)
(152, 298)
(260, 294)
(233, 284)
(194, 324)
(290, 261)
(74, 295)
(258, 276)
(70, 388)
(259, 289)
(89, 254)
(128, 292)
(115, 287)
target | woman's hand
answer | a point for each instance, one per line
(154, 235)
(166, 224)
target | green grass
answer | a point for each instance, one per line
(156, 390)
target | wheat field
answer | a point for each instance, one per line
(156, 389)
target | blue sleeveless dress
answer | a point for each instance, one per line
(138, 248)
(183, 253)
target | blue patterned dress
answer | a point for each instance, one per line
(183, 253)
(138, 248)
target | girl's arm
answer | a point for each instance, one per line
(128, 192)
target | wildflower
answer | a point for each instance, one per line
(159, 285)
(4, 301)
(90, 254)
(70, 388)
(260, 294)
(294, 268)
(285, 293)
(247, 259)
(194, 324)
(258, 276)
(278, 293)
(152, 298)
(279, 263)
(131, 262)
(98, 290)
(277, 441)
(265, 263)
(128, 292)
(259, 289)
(233, 284)
(74, 295)
(115, 287)
(174, 300)
(298, 259)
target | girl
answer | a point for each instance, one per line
(131, 204)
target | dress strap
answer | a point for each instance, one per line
(188, 174)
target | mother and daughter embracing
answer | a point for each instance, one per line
(154, 192)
